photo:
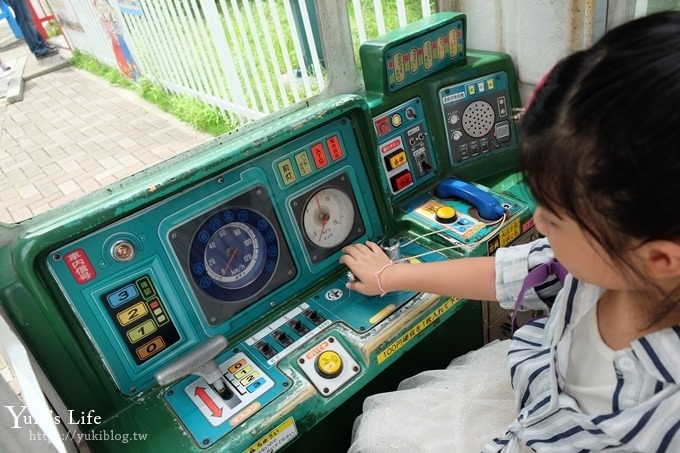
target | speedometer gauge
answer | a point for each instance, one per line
(234, 254)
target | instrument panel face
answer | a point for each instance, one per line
(416, 59)
(216, 257)
(233, 254)
(405, 146)
(140, 314)
(477, 115)
(328, 217)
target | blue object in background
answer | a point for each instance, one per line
(5, 13)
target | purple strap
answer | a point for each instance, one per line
(536, 276)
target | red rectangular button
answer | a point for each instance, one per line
(320, 159)
(402, 180)
(334, 148)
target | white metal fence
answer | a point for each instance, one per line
(248, 58)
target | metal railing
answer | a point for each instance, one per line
(248, 58)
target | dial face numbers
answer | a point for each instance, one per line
(234, 254)
(328, 217)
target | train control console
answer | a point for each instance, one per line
(202, 302)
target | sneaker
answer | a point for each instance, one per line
(48, 53)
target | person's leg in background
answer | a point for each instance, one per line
(33, 40)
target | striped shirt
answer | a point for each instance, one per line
(645, 411)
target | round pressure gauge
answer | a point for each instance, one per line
(328, 217)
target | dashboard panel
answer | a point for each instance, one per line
(218, 255)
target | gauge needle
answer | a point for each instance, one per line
(232, 255)
(324, 216)
(324, 221)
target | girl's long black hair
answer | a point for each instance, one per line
(601, 139)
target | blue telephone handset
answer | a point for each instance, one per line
(488, 207)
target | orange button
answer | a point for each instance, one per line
(151, 348)
(237, 366)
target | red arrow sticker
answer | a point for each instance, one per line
(214, 409)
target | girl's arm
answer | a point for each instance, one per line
(469, 278)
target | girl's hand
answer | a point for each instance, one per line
(365, 260)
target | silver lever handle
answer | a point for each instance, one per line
(199, 361)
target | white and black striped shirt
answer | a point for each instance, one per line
(645, 410)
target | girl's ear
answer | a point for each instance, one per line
(661, 258)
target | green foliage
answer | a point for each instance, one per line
(114, 76)
(198, 114)
(52, 28)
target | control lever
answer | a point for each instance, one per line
(391, 247)
(201, 362)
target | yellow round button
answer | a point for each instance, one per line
(396, 120)
(329, 364)
(446, 214)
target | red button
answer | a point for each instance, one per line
(320, 159)
(153, 304)
(334, 147)
(402, 180)
(382, 126)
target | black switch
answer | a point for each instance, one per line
(314, 316)
(282, 337)
(297, 326)
(266, 349)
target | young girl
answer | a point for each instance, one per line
(602, 371)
